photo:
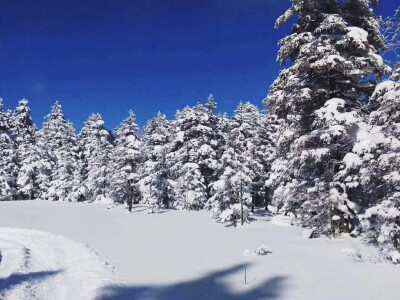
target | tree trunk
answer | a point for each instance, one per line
(166, 201)
(130, 205)
(252, 202)
(266, 202)
(130, 200)
(241, 204)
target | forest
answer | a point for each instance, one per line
(326, 150)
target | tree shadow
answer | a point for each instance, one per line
(138, 208)
(161, 211)
(261, 213)
(209, 287)
(18, 278)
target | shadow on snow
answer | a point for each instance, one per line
(209, 287)
(19, 278)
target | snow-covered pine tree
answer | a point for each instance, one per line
(193, 156)
(211, 105)
(211, 149)
(125, 160)
(264, 153)
(45, 166)
(96, 149)
(27, 154)
(378, 154)
(222, 128)
(8, 164)
(58, 142)
(334, 48)
(154, 175)
(245, 160)
(79, 190)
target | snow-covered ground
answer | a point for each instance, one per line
(175, 255)
(39, 265)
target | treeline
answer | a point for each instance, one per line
(199, 160)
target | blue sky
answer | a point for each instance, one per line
(109, 56)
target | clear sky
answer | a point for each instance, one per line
(109, 56)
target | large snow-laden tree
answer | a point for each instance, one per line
(376, 161)
(96, 149)
(8, 163)
(58, 143)
(124, 164)
(193, 157)
(334, 48)
(27, 154)
(154, 175)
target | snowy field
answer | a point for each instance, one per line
(46, 253)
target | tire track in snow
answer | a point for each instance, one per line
(40, 265)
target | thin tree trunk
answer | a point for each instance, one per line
(130, 200)
(241, 203)
(266, 199)
(252, 202)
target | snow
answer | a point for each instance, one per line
(332, 113)
(180, 136)
(205, 149)
(383, 87)
(219, 185)
(352, 160)
(100, 199)
(158, 149)
(357, 34)
(40, 265)
(367, 138)
(377, 58)
(234, 211)
(263, 250)
(280, 220)
(179, 255)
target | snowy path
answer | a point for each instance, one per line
(38, 265)
(175, 255)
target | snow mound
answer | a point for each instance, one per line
(234, 213)
(280, 220)
(262, 250)
(246, 252)
(109, 202)
(349, 250)
(39, 265)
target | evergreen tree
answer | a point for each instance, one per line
(27, 154)
(211, 105)
(193, 157)
(125, 161)
(334, 48)
(58, 140)
(96, 149)
(155, 177)
(378, 157)
(264, 153)
(242, 171)
(8, 164)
